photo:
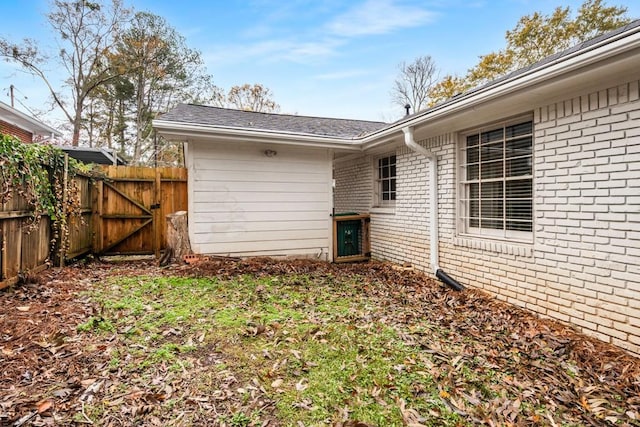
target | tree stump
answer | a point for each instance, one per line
(178, 244)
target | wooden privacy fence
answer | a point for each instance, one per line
(122, 212)
(24, 248)
(131, 208)
(80, 239)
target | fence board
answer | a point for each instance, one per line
(12, 233)
(27, 248)
(81, 229)
(134, 203)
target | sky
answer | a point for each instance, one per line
(326, 58)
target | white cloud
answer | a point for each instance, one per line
(274, 50)
(379, 17)
(271, 40)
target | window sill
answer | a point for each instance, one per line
(497, 246)
(386, 210)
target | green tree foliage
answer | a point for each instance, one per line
(446, 88)
(83, 30)
(109, 111)
(124, 69)
(533, 38)
(158, 71)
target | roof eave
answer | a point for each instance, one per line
(174, 129)
(28, 123)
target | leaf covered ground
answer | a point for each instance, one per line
(293, 343)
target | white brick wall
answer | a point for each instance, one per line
(353, 185)
(584, 265)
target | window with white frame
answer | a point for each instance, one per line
(386, 181)
(497, 181)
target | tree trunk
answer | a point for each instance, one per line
(177, 238)
(77, 122)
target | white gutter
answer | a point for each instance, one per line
(28, 123)
(433, 194)
(196, 130)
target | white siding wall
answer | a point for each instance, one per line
(584, 265)
(244, 203)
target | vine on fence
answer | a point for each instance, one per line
(37, 173)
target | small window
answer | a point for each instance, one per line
(497, 181)
(386, 181)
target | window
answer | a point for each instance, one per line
(386, 181)
(497, 181)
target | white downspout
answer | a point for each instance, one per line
(433, 194)
(433, 208)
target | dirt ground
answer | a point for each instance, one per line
(48, 369)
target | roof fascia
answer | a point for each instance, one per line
(28, 123)
(191, 130)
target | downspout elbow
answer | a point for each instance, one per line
(410, 142)
(449, 281)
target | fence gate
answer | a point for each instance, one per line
(132, 203)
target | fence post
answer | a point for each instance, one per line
(64, 219)
(3, 254)
(97, 216)
(157, 213)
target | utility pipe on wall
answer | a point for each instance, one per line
(433, 202)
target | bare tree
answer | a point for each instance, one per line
(251, 98)
(414, 82)
(85, 31)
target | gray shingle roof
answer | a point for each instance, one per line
(319, 126)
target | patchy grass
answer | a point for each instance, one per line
(316, 347)
(320, 349)
(303, 344)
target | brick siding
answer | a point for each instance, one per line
(583, 266)
(353, 185)
(21, 134)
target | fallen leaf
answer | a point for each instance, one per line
(23, 308)
(62, 393)
(277, 383)
(584, 403)
(301, 386)
(44, 405)
(411, 417)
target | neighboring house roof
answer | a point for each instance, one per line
(239, 119)
(101, 156)
(573, 69)
(25, 122)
